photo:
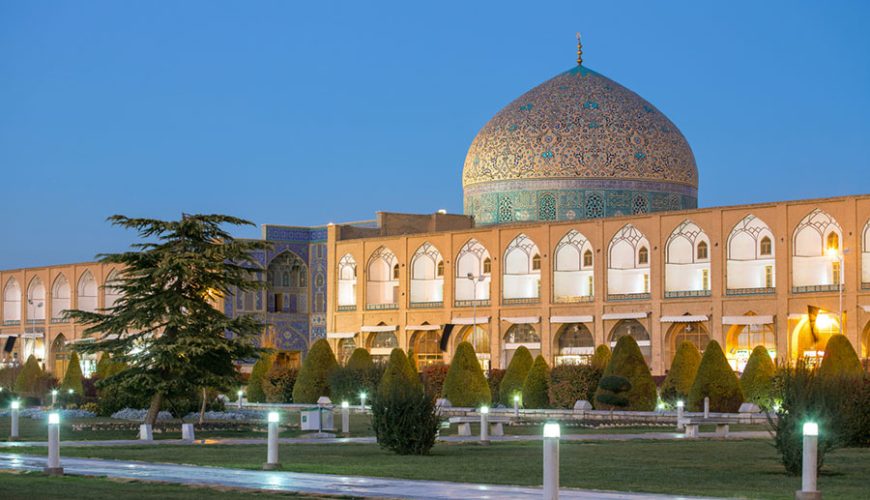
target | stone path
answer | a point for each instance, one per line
(305, 483)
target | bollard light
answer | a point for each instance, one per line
(15, 405)
(53, 466)
(809, 487)
(69, 391)
(54, 392)
(811, 429)
(13, 428)
(362, 399)
(345, 404)
(552, 430)
(273, 417)
(516, 398)
(516, 406)
(345, 417)
(240, 393)
(484, 425)
(680, 404)
(484, 409)
(272, 443)
(552, 433)
(53, 418)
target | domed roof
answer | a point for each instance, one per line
(579, 125)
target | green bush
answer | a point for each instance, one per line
(399, 376)
(515, 376)
(278, 383)
(8, 376)
(627, 362)
(852, 417)
(404, 418)
(757, 378)
(360, 359)
(536, 386)
(412, 362)
(715, 379)
(840, 359)
(571, 383)
(682, 373)
(433, 377)
(27, 383)
(72, 379)
(465, 385)
(254, 392)
(613, 392)
(601, 357)
(312, 382)
(494, 379)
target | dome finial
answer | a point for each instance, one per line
(579, 50)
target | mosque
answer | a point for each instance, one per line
(581, 226)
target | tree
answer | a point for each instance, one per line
(255, 391)
(165, 326)
(613, 392)
(536, 386)
(572, 383)
(465, 385)
(360, 359)
(399, 375)
(601, 357)
(682, 373)
(716, 380)
(757, 379)
(312, 382)
(840, 359)
(72, 379)
(627, 362)
(512, 382)
(412, 363)
(27, 381)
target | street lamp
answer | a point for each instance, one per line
(837, 256)
(474, 280)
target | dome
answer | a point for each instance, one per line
(577, 146)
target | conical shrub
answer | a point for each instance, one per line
(515, 376)
(360, 359)
(682, 373)
(601, 357)
(28, 378)
(715, 380)
(412, 364)
(757, 379)
(254, 392)
(840, 359)
(627, 362)
(313, 379)
(536, 387)
(465, 385)
(398, 376)
(72, 379)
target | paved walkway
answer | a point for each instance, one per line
(305, 483)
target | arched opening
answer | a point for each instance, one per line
(815, 261)
(687, 262)
(287, 277)
(473, 275)
(628, 265)
(382, 282)
(381, 345)
(347, 282)
(750, 265)
(575, 344)
(427, 285)
(60, 298)
(111, 290)
(694, 332)
(36, 301)
(345, 350)
(61, 356)
(87, 292)
(865, 257)
(741, 339)
(865, 346)
(809, 342)
(426, 346)
(522, 280)
(573, 275)
(12, 302)
(520, 335)
(635, 329)
(478, 337)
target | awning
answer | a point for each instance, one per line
(629, 315)
(470, 321)
(747, 320)
(866, 308)
(7, 335)
(523, 320)
(425, 328)
(340, 335)
(29, 335)
(571, 319)
(684, 319)
(527, 345)
(378, 328)
(381, 351)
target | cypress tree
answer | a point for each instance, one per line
(840, 359)
(28, 377)
(536, 386)
(715, 379)
(72, 379)
(360, 359)
(465, 385)
(682, 373)
(255, 392)
(627, 362)
(601, 357)
(757, 379)
(515, 376)
(412, 364)
(313, 379)
(398, 375)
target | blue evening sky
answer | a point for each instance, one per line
(305, 113)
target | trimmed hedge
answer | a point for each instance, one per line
(360, 359)
(680, 377)
(72, 379)
(27, 382)
(601, 357)
(627, 362)
(537, 385)
(404, 417)
(313, 379)
(515, 376)
(716, 380)
(571, 383)
(399, 376)
(254, 391)
(278, 383)
(494, 378)
(840, 359)
(465, 385)
(757, 378)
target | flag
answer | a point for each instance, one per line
(813, 313)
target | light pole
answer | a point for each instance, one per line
(272, 443)
(837, 256)
(474, 281)
(552, 433)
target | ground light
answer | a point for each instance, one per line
(272, 443)
(15, 407)
(809, 489)
(516, 406)
(680, 406)
(484, 425)
(362, 400)
(345, 417)
(240, 393)
(53, 397)
(70, 392)
(53, 465)
(552, 433)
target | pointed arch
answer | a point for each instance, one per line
(36, 300)
(687, 261)
(865, 257)
(12, 302)
(813, 269)
(628, 264)
(382, 285)
(287, 277)
(427, 285)
(473, 260)
(750, 258)
(111, 289)
(86, 291)
(572, 268)
(61, 296)
(347, 281)
(522, 281)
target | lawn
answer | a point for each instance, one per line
(744, 468)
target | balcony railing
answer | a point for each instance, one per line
(35, 321)
(574, 299)
(56, 321)
(381, 307)
(628, 296)
(816, 288)
(427, 305)
(347, 308)
(750, 291)
(678, 294)
(11, 322)
(472, 303)
(521, 301)
(865, 286)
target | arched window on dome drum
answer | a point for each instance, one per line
(813, 269)
(750, 266)
(633, 328)
(576, 345)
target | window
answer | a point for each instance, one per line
(833, 241)
(702, 250)
(396, 272)
(536, 262)
(766, 248)
(587, 258)
(768, 276)
(589, 285)
(705, 279)
(487, 265)
(440, 269)
(643, 256)
(646, 283)
(285, 279)
(835, 271)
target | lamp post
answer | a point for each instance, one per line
(552, 433)
(809, 489)
(362, 401)
(53, 397)
(345, 418)
(474, 281)
(240, 393)
(15, 406)
(516, 406)
(272, 444)
(53, 467)
(837, 256)
(484, 425)
(680, 406)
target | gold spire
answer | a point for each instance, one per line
(579, 50)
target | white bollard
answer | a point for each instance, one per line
(146, 432)
(706, 407)
(240, 393)
(187, 432)
(516, 406)
(484, 425)
(272, 446)
(809, 488)
(53, 466)
(53, 397)
(362, 401)
(345, 417)
(552, 432)
(680, 405)
(16, 408)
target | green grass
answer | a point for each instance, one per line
(36, 485)
(567, 428)
(744, 468)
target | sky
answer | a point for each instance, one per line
(305, 113)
